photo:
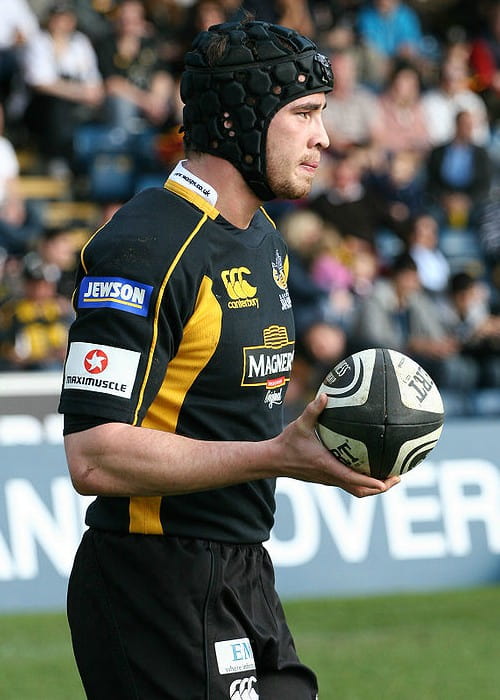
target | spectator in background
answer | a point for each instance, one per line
(9, 166)
(401, 142)
(93, 18)
(351, 109)
(399, 315)
(206, 13)
(11, 281)
(349, 206)
(56, 248)
(19, 224)
(169, 19)
(452, 95)
(188, 20)
(5, 288)
(139, 87)
(320, 341)
(397, 179)
(459, 175)
(294, 14)
(485, 62)
(388, 29)
(66, 86)
(401, 122)
(467, 315)
(347, 274)
(17, 26)
(34, 328)
(423, 245)
(489, 238)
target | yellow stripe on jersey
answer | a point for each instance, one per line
(192, 197)
(154, 339)
(199, 342)
(267, 216)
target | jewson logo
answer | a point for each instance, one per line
(115, 293)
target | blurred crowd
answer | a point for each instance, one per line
(398, 244)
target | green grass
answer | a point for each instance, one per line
(408, 647)
(36, 661)
(420, 647)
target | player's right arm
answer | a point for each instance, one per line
(110, 452)
(117, 459)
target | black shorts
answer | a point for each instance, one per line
(161, 617)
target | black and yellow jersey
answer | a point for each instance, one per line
(184, 324)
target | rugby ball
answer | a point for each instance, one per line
(384, 413)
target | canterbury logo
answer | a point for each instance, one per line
(236, 285)
(243, 689)
(240, 291)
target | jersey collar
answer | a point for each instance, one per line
(193, 188)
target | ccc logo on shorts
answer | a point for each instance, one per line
(241, 293)
(243, 689)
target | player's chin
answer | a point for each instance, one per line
(305, 191)
(306, 178)
(299, 188)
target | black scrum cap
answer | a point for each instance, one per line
(231, 98)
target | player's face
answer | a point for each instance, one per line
(295, 139)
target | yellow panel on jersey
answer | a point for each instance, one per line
(144, 514)
(199, 342)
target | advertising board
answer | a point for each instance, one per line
(440, 528)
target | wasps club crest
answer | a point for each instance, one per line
(280, 277)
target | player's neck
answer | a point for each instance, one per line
(235, 200)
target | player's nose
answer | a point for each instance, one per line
(320, 136)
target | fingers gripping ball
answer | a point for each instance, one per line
(384, 413)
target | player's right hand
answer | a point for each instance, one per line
(304, 457)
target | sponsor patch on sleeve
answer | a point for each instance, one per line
(234, 656)
(114, 293)
(101, 368)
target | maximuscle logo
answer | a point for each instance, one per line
(95, 361)
(270, 364)
(240, 291)
(101, 368)
(115, 293)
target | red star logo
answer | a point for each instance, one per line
(95, 361)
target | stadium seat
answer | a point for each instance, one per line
(111, 177)
(388, 245)
(43, 187)
(462, 249)
(93, 139)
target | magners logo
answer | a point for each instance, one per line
(269, 364)
(241, 293)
